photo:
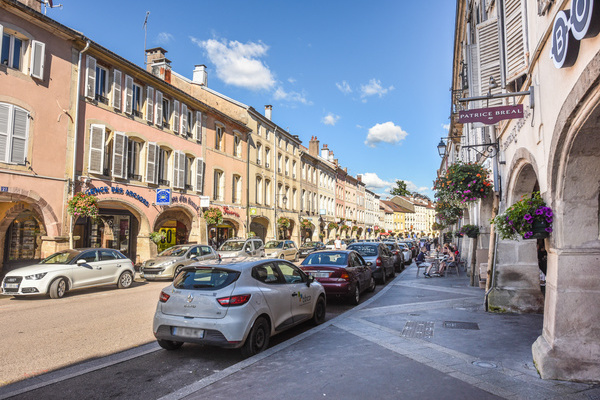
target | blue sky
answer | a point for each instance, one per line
(370, 79)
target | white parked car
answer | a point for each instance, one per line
(252, 247)
(237, 303)
(70, 269)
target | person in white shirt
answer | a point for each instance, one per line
(338, 243)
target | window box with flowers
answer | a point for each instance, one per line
(213, 216)
(83, 205)
(464, 183)
(469, 230)
(528, 218)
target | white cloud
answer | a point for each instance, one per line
(374, 88)
(281, 94)
(344, 87)
(446, 127)
(330, 119)
(375, 183)
(239, 64)
(164, 38)
(291, 80)
(386, 132)
(414, 188)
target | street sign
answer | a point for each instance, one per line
(490, 115)
(163, 197)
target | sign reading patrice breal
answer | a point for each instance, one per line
(490, 116)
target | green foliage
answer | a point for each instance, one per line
(469, 230)
(463, 183)
(156, 237)
(283, 222)
(83, 205)
(518, 220)
(448, 213)
(213, 216)
(400, 189)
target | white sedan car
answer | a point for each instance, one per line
(70, 269)
(236, 303)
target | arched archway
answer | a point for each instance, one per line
(260, 227)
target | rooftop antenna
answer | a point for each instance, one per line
(145, 34)
(48, 4)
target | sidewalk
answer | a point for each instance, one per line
(416, 339)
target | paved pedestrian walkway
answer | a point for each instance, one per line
(416, 339)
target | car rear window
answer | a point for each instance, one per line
(326, 259)
(364, 249)
(205, 278)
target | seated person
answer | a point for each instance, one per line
(420, 260)
(450, 260)
(449, 257)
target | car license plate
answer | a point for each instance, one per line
(11, 285)
(320, 274)
(188, 332)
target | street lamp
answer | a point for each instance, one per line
(491, 148)
(441, 148)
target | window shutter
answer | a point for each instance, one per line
(151, 161)
(182, 165)
(516, 61)
(116, 92)
(38, 52)
(184, 119)
(90, 77)
(97, 137)
(198, 127)
(4, 113)
(119, 154)
(150, 104)
(200, 175)
(1, 36)
(19, 137)
(489, 57)
(175, 122)
(473, 71)
(128, 94)
(158, 110)
(178, 169)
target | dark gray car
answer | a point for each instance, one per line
(378, 257)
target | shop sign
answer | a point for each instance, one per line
(170, 235)
(4, 189)
(322, 211)
(227, 211)
(252, 211)
(490, 115)
(204, 201)
(117, 190)
(186, 200)
(570, 27)
(163, 197)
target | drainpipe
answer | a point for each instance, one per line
(248, 184)
(78, 100)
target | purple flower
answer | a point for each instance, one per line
(539, 211)
(469, 185)
(549, 213)
(467, 191)
(527, 235)
(549, 220)
(549, 229)
(528, 218)
(509, 222)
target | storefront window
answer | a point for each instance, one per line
(23, 237)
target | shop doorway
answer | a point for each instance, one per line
(23, 241)
(175, 232)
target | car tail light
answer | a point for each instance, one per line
(345, 276)
(378, 262)
(163, 297)
(234, 300)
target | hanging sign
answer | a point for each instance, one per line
(491, 115)
(163, 197)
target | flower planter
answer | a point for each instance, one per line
(472, 236)
(539, 230)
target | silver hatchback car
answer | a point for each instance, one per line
(168, 263)
(240, 247)
(285, 249)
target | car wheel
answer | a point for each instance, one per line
(169, 344)
(320, 310)
(258, 339)
(372, 285)
(125, 280)
(58, 288)
(355, 297)
(177, 271)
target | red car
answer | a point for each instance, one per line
(342, 273)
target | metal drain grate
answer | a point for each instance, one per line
(418, 329)
(461, 325)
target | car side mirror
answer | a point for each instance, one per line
(369, 263)
(310, 280)
(81, 261)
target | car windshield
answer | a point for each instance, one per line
(234, 245)
(326, 258)
(310, 244)
(205, 278)
(364, 250)
(175, 251)
(62, 257)
(331, 242)
(274, 244)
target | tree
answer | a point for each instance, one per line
(400, 189)
(421, 196)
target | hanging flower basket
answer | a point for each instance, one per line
(437, 227)
(283, 222)
(463, 183)
(305, 224)
(157, 237)
(83, 205)
(448, 213)
(344, 228)
(528, 218)
(354, 228)
(213, 216)
(469, 230)
(332, 226)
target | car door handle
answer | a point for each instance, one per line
(294, 294)
(98, 267)
(118, 265)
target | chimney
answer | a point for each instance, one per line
(313, 146)
(158, 64)
(359, 178)
(325, 152)
(35, 4)
(268, 111)
(200, 76)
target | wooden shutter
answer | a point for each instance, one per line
(90, 77)
(97, 138)
(158, 109)
(128, 94)
(150, 104)
(38, 52)
(178, 170)
(19, 137)
(184, 119)
(4, 118)
(175, 122)
(116, 92)
(473, 73)
(198, 127)
(200, 175)
(489, 57)
(119, 164)
(516, 61)
(151, 162)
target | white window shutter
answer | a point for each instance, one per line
(473, 73)
(516, 60)
(489, 57)
(150, 104)
(38, 53)
(151, 162)
(128, 94)
(90, 77)
(198, 127)
(4, 119)
(19, 137)
(199, 175)
(175, 122)
(184, 119)
(178, 169)
(119, 154)
(158, 114)
(1, 36)
(97, 138)
(116, 92)
(182, 171)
